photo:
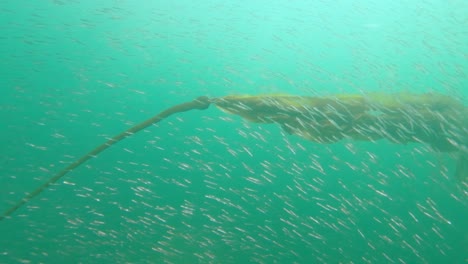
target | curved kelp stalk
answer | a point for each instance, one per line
(434, 119)
(200, 103)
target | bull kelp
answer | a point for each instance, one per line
(434, 119)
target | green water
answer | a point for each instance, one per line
(208, 187)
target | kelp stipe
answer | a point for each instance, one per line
(200, 103)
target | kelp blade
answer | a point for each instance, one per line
(435, 119)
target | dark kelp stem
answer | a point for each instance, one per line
(200, 103)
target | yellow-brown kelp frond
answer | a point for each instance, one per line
(435, 119)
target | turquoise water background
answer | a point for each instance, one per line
(206, 186)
